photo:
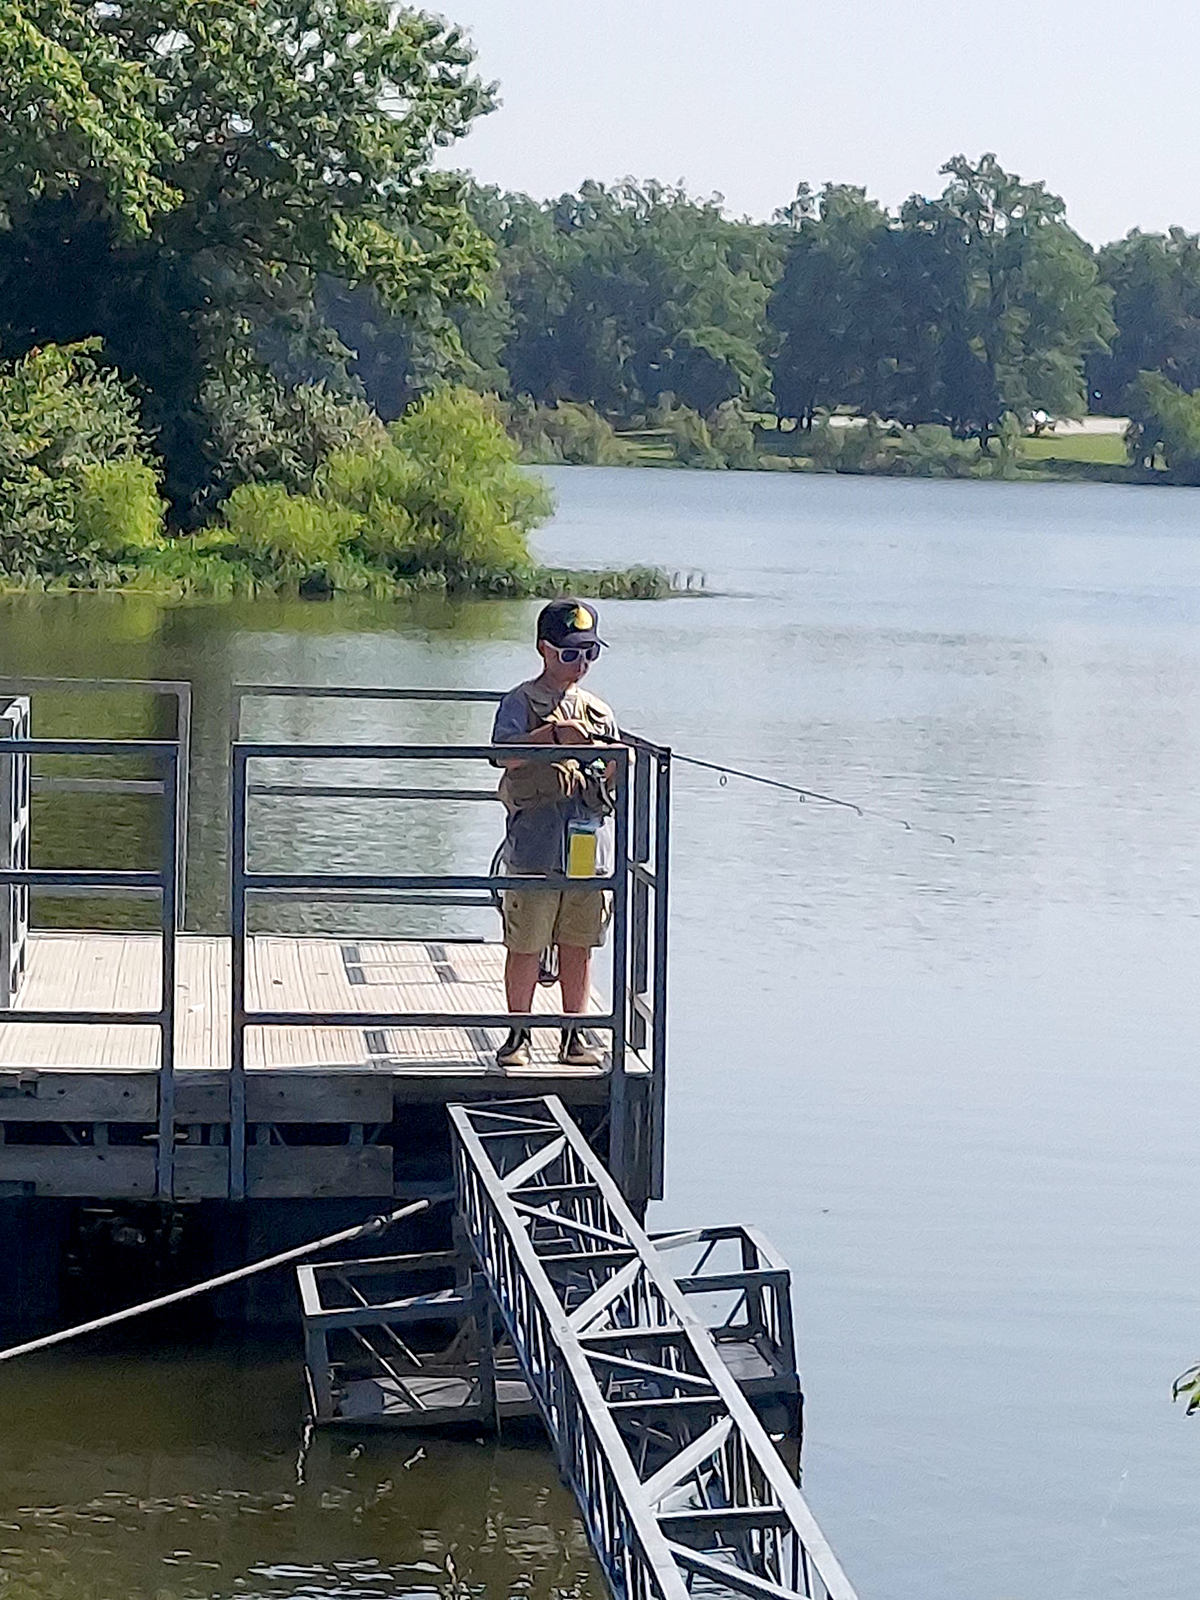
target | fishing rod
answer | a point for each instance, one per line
(812, 794)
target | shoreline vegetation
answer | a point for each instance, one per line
(256, 340)
(574, 435)
(436, 502)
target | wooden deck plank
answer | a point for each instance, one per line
(100, 971)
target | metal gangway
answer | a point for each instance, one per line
(682, 1491)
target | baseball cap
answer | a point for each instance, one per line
(568, 622)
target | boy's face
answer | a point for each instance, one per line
(562, 674)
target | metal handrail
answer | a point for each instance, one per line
(246, 883)
(178, 689)
(640, 931)
(164, 882)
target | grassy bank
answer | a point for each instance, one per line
(1103, 449)
(183, 579)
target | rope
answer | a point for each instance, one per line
(363, 1230)
(813, 794)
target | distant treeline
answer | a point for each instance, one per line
(956, 311)
(254, 337)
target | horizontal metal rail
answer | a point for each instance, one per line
(677, 1481)
(314, 882)
(315, 691)
(602, 1021)
(90, 747)
(335, 791)
(496, 754)
(95, 880)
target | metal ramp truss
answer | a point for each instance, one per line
(681, 1489)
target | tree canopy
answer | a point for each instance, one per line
(964, 307)
(183, 170)
(1155, 280)
(231, 259)
(618, 295)
(953, 311)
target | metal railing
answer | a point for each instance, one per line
(481, 886)
(636, 1022)
(177, 689)
(678, 1484)
(162, 882)
(649, 905)
(14, 852)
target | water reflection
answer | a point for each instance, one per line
(163, 1477)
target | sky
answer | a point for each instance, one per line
(1096, 97)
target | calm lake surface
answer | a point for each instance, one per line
(955, 1083)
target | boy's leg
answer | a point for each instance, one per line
(574, 976)
(520, 979)
(581, 925)
(528, 929)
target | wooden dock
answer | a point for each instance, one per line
(325, 1107)
(123, 972)
(214, 1094)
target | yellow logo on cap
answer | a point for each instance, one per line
(583, 618)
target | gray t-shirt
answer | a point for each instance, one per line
(536, 838)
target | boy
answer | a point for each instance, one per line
(543, 799)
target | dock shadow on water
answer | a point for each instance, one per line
(162, 1475)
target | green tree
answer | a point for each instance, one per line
(1016, 298)
(288, 141)
(76, 486)
(1164, 420)
(1155, 281)
(620, 295)
(824, 308)
(76, 113)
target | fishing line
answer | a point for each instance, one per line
(812, 794)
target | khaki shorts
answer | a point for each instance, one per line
(534, 919)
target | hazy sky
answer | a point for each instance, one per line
(1095, 96)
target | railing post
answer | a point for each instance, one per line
(618, 1099)
(639, 966)
(14, 851)
(658, 1045)
(237, 996)
(169, 925)
(183, 739)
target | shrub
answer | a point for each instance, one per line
(1165, 418)
(930, 451)
(688, 432)
(62, 417)
(261, 432)
(566, 432)
(863, 448)
(442, 497)
(292, 534)
(732, 436)
(118, 509)
(824, 444)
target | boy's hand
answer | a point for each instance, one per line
(572, 733)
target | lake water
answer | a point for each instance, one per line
(955, 1083)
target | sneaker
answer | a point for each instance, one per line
(514, 1052)
(576, 1052)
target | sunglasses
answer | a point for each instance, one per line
(571, 653)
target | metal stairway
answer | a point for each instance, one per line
(681, 1490)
